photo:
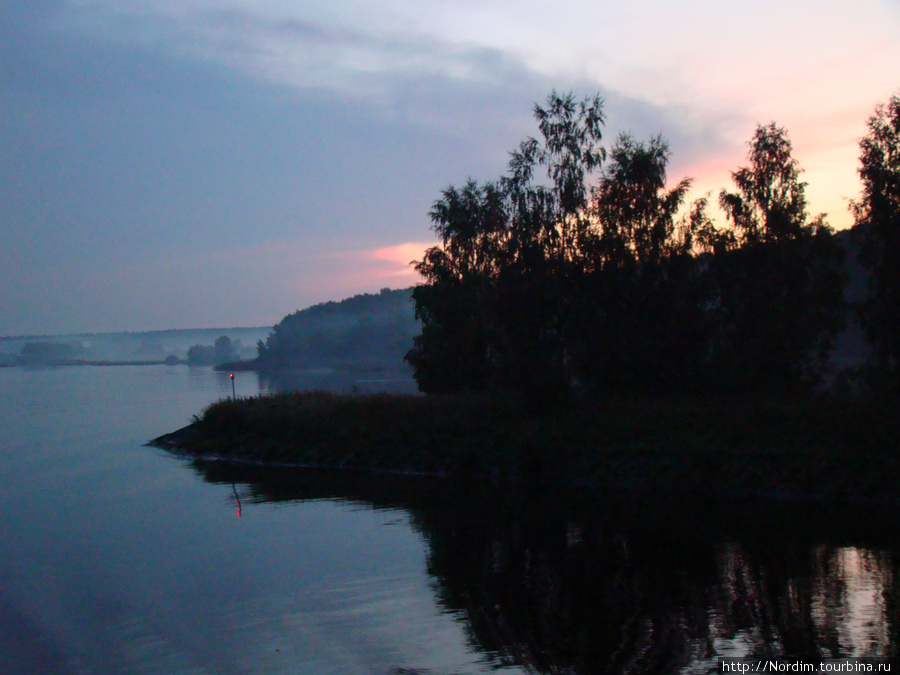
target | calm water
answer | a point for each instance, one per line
(117, 558)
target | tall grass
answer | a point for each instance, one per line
(821, 449)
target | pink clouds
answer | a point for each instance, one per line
(394, 261)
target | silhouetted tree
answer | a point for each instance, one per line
(637, 314)
(549, 223)
(456, 348)
(776, 286)
(706, 238)
(878, 215)
(637, 215)
(544, 285)
(770, 202)
(553, 216)
(495, 303)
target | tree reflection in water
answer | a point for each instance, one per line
(571, 582)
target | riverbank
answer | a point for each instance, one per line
(86, 362)
(827, 450)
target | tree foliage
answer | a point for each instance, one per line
(365, 331)
(635, 212)
(222, 351)
(878, 216)
(596, 275)
(494, 306)
(777, 280)
(633, 308)
(770, 202)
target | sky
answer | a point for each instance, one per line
(219, 163)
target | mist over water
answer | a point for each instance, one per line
(119, 558)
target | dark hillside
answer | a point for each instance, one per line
(365, 331)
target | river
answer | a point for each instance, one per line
(119, 558)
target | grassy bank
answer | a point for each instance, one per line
(820, 450)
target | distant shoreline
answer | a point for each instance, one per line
(818, 450)
(83, 362)
(159, 332)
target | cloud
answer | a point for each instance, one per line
(395, 261)
(458, 69)
(296, 141)
(296, 49)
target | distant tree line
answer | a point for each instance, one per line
(222, 351)
(547, 283)
(364, 331)
(51, 352)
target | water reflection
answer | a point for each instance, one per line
(829, 603)
(237, 499)
(574, 583)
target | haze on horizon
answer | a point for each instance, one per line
(225, 162)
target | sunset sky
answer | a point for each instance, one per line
(214, 163)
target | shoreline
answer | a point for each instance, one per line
(814, 450)
(84, 362)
